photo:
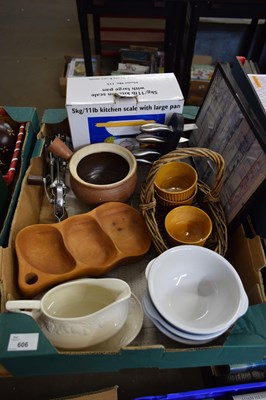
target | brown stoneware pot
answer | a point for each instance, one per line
(99, 172)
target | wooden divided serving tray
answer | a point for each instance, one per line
(87, 244)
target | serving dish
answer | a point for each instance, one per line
(89, 244)
(128, 332)
(79, 313)
(196, 289)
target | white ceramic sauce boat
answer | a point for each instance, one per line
(79, 313)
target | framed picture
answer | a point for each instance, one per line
(227, 125)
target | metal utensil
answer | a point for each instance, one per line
(154, 128)
(155, 138)
(165, 139)
(150, 138)
(144, 152)
(146, 155)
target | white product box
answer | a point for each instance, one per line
(112, 108)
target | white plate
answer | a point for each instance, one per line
(128, 332)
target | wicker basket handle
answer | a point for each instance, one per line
(179, 154)
(211, 197)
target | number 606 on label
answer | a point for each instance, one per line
(23, 341)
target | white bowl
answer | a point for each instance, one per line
(177, 338)
(196, 289)
(154, 316)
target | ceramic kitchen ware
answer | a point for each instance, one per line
(80, 313)
(128, 332)
(178, 335)
(99, 172)
(88, 244)
(172, 204)
(180, 339)
(188, 225)
(176, 181)
(154, 315)
(196, 289)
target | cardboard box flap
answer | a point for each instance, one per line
(17, 115)
(38, 148)
(146, 88)
(190, 112)
(24, 114)
(19, 323)
(53, 116)
(256, 293)
(246, 329)
(8, 289)
(4, 198)
(33, 195)
(55, 121)
(248, 258)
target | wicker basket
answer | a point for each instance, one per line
(207, 198)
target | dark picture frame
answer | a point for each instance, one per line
(227, 125)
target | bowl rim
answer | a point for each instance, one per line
(153, 266)
(99, 148)
(163, 191)
(85, 283)
(191, 207)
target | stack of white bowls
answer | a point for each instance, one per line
(193, 294)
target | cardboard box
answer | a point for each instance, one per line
(197, 91)
(150, 348)
(200, 76)
(108, 108)
(10, 192)
(247, 255)
(63, 78)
